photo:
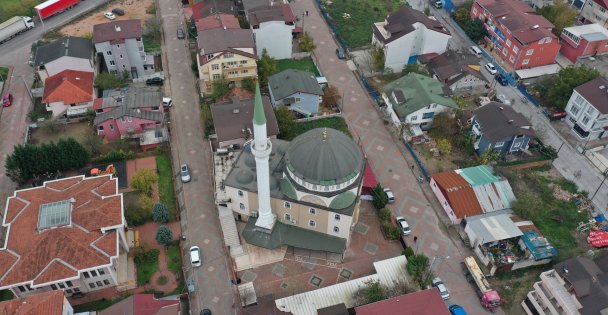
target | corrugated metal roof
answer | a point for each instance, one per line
(494, 196)
(493, 228)
(478, 175)
(307, 303)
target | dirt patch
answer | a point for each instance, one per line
(134, 9)
(78, 131)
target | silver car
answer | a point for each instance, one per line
(437, 283)
(403, 226)
(185, 173)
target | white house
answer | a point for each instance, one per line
(66, 53)
(273, 27)
(406, 34)
(588, 110)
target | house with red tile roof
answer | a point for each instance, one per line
(522, 38)
(218, 20)
(273, 26)
(69, 93)
(425, 302)
(65, 235)
(144, 304)
(595, 11)
(584, 41)
(47, 303)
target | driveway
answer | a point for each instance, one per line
(388, 163)
(199, 218)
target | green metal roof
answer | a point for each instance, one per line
(258, 108)
(287, 189)
(420, 91)
(479, 175)
(343, 200)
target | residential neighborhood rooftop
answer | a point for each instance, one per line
(589, 282)
(590, 32)
(402, 22)
(218, 20)
(69, 87)
(596, 93)
(48, 303)
(499, 122)
(70, 46)
(268, 13)
(116, 31)
(291, 81)
(418, 91)
(144, 304)
(205, 8)
(459, 194)
(233, 119)
(425, 302)
(216, 40)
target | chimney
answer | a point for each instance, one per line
(501, 108)
(117, 28)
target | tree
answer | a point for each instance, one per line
(418, 267)
(143, 179)
(384, 214)
(286, 122)
(380, 199)
(137, 216)
(473, 27)
(107, 81)
(160, 213)
(243, 23)
(373, 291)
(444, 126)
(444, 146)
(527, 205)
(378, 58)
(221, 87)
(414, 68)
(145, 202)
(249, 84)
(92, 144)
(490, 156)
(164, 235)
(153, 28)
(331, 97)
(560, 14)
(557, 91)
(307, 43)
(267, 66)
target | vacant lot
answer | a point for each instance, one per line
(356, 30)
(305, 64)
(297, 129)
(46, 134)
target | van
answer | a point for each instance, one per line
(476, 51)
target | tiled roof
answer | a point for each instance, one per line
(499, 122)
(232, 117)
(47, 303)
(425, 302)
(220, 40)
(459, 193)
(66, 46)
(596, 93)
(143, 304)
(268, 13)
(217, 21)
(401, 22)
(69, 87)
(40, 256)
(206, 8)
(492, 192)
(116, 31)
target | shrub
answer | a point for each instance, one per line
(143, 256)
(164, 235)
(145, 202)
(380, 199)
(160, 213)
(385, 214)
(408, 252)
(143, 180)
(390, 231)
(137, 216)
(115, 156)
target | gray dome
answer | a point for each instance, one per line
(250, 160)
(244, 177)
(324, 154)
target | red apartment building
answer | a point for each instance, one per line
(522, 38)
(584, 41)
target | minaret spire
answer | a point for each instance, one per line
(261, 148)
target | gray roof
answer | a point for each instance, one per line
(499, 122)
(290, 81)
(77, 47)
(128, 102)
(290, 235)
(589, 282)
(492, 227)
(216, 40)
(324, 155)
(267, 13)
(231, 118)
(401, 22)
(596, 93)
(249, 5)
(130, 112)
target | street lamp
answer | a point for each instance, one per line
(440, 258)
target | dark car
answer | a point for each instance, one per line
(180, 33)
(340, 53)
(501, 79)
(118, 11)
(206, 312)
(155, 81)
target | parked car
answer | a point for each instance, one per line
(438, 4)
(437, 283)
(403, 226)
(501, 79)
(185, 173)
(110, 15)
(119, 12)
(180, 33)
(206, 311)
(167, 102)
(195, 256)
(389, 195)
(155, 81)
(340, 53)
(491, 68)
(7, 100)
(503, 99)
(457, 310)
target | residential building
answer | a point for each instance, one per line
(69, 93)
(425, 302)
(459, 72)
(588, 110)
(218, 20)
(415, 99)
(144, 304)
(227, 54)
(205, 8)
(576, 286)
(122, 47)
(471, 191)
(521, 38)
(48, 303)
(249, 5)
(233, 121)
(67, 234)
(131, 113)
(296, 89)
(273, 27)
(502, 241)
(500, 128)
(406, 34)
(584, 41)
(307, 189)
(595, 11)
(66, 53)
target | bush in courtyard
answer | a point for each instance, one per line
(160, 213)
(373, 291)
(391, 231)
(145, 202)
(418, 267)
(380, 199)
(164, 235)
(384, 214)
(115, 156)
(408, 252)
(137, 216)
(143, 256)
(143, 180)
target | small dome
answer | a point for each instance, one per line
(250, 160)
(324, 154)
(244, 177)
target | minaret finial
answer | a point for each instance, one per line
(259, 118)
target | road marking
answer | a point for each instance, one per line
(211, 268)
(193, 152)
(396, 177)
(380, 148)
(206, 241)
(366, 122)
(414, 209)
(189, 134)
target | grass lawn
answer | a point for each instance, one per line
(150, 44)
(174, 257)
(14, 8)
(305, 64)
(337, 123)
(165, 183)
(98, 305)
(357, 31)
(3, 73)
(146, 269)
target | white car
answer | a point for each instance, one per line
(437, 283)
(491, 68)
(185, 173)
(389, 195)
(503, 99)
(167, 102)
(403, 226)
(110, 15)
(195, 256)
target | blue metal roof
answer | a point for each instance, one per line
(538, 245)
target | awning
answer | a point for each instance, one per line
(538, 71)
(369, 179)
(598, 239)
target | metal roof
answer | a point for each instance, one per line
(493, 228)
(388, 272)
(538, 71)
(492, 192)
(291, 81)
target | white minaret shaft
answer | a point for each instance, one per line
(261, 148)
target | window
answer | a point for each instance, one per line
(111, 127)
(414, 118)
(336, 229)
(474, 11)
(21, 288)
(312, 211)
(76, 290)
(117, 45)
(54, 287)
(124, 67)
(98, 283)
(93, 273)
(585, 120)
(312, 223)
(245, 71)
(228, 55)
(287, 205)
(515, 49)
(69, 284)
(109, 53)
(86, 275)
(100, 128)
(428, 115)
(512, 59)
(529, 52)
(298, 99)
(68, 291)
(499, 144)
(215, 67)
(61, 285)
(120, 56)
(337, 217)
(92, 285)
(155, 108)
(508, 43)
(141, 49)
(548, 40)
(242, 206)
(138, 39)
(106, 282)
(574, 110)
(525, 62)
(240, 192)
(112, 63)
(287, 217)
(590, 110)
(216, 77)
(243, 62)
(101, 272)
(505, 51)
(516, 145)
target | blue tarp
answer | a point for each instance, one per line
(538, 245)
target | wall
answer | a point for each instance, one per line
(308, 102)
(595, 128)
(207, 73)
(397, 53)
(419, 42)
(276, 37)
(573, 52)
(444, 202)
(468, 83)
(59, 107)
(591, 12)
(434, 108)
(68, 63)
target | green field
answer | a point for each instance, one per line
(165, 183)
(10, 8)
(3, 73)
(305, 64)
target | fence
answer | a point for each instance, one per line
(331, 25)
(422, 169)
(369, 88)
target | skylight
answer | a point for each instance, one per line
(54, 214)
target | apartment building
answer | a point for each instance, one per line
(588, 110)
(595, 11)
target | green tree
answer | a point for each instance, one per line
(490, 156)
(408, 252)
(107, 81)
(137, 216)
(380, 199)
(249, 84)
(160, 213)
(384, 214)
(164, 235)
(527, 205)
(143, 179)
(414, 68)
(444, 126)
(286, 122)
(307, 43)
(92, 144)
(145, 203)
(444, 146)
(473, 27)
(557, 91)
(378, 58)
(373, 291)
(267, 66)
(560, 14)
(243, 23)
(207, 119)
(418, 267)
(221, 87)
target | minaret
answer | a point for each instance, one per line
(261, 148)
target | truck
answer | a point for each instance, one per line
(15, 26)
(51, 7)
(489, 298)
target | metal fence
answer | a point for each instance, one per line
(369, 88)
(426, 174)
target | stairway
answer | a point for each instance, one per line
(231, 234)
